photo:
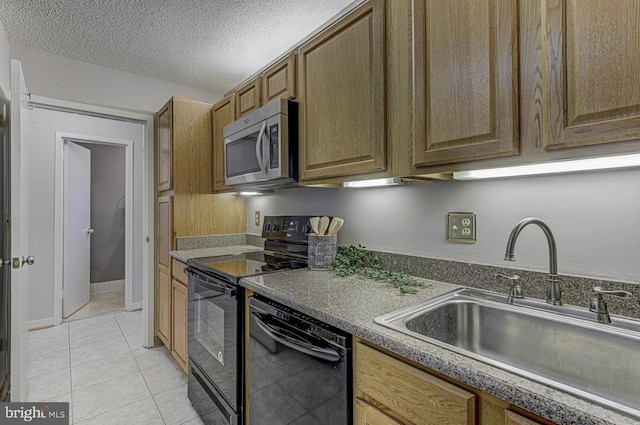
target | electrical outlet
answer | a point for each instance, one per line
(461, 227)
(256, 219)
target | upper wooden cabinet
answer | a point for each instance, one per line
(164, 142)
(592, 75)
(222, 114)
(279, 80)
(341, 77)
(184, 147)
(465, 80)
(248, 97)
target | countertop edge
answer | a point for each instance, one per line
(188, 254)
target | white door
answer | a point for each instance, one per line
(19, 233)
(77, 228)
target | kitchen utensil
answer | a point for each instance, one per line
(313, 221)
(323, 224)
(335, 226)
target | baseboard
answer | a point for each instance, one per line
(40, 324)
(108, 286)
(135, 306)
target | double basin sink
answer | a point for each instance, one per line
(560, 346)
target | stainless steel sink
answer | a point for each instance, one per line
(561, 346)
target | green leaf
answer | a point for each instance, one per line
(356, 260)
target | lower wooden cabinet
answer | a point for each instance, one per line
(179, 301)
(512, 418)
(163, 307)
(390, 391)
(179, 325)
(408, 394)
(367, 414)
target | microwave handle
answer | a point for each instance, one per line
(259, 147)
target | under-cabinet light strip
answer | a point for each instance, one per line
(569, 166)
(392, 181)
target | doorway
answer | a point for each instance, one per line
(94, 269)
(94, 235)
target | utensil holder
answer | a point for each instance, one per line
(322, 251)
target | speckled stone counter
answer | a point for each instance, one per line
(185, 255)
(351, 304)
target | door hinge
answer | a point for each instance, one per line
(7, 221)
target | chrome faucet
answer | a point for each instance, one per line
(553, 289)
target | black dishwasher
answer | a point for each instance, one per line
(299, 368)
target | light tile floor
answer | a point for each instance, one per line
(100, 367)
(100, 303)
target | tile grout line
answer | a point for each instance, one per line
(143, 378)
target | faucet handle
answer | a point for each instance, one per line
(616, 293)
(515, 277)
(516, 289)
(599, 306)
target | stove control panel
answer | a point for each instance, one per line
(287, 228)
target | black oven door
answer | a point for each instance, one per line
(215, 345)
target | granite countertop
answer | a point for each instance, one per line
(185, 255)
(352, 303)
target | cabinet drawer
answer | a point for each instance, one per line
(409, 392)
(177, 269)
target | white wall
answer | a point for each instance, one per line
(595, 218)
(5, 63)
(61, 78)
(44, 124)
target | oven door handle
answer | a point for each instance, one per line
(213, 286)
(259, 154)
(295, 344)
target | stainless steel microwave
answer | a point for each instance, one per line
(261, 148)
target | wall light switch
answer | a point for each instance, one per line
(461, 227)
(256, 219)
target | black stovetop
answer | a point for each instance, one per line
(285, 249)
(249, 264)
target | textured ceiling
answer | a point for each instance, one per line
(207, 44)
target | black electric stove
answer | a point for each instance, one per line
(216, 316)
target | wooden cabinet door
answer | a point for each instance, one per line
(164, 244)
(164, 147)
(222, 114)
(512, 418)
(341, 77)
(465, 80)
(248, 97)
(179, 322)
(163, 307)
(165, 232)
(592, 74)
(409, 392)
(366, 414)
(279, 81)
